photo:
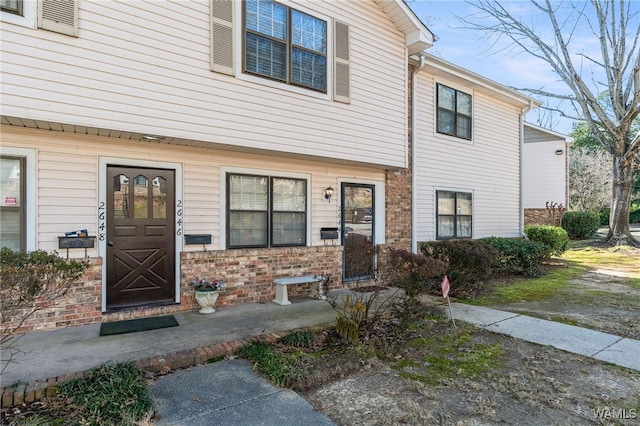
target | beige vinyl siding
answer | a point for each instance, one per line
(487, 167)
(544, 174)
(144, 67)
(68, 174)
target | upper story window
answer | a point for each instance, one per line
(264, 211)
(12, 6)
(454, 215)
(285, 44)
(454, 112)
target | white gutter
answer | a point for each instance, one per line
(414, 138)
(523, 111)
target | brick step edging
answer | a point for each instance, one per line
(28, 393)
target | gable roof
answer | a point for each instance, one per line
(439, 66)
(540, 133)
(417, 36)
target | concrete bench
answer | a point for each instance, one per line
(281, 287)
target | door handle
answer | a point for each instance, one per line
(110, 243)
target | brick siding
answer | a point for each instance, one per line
(552, 217)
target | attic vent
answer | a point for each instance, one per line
(60, 16)
(222, 36)
(342, 66)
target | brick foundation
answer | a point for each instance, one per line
(551, 217)
(248, 276)
(80, 306)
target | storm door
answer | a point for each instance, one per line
(358, 217)
(140, 237)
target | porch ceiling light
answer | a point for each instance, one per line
(328, 193)
(152, 138)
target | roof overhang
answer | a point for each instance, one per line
(441, 67)
(554, 135)
(417, 35)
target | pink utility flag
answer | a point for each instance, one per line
(445, 286)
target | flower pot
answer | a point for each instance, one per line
(207, 300)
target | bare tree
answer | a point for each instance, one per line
(615, 70)
(590, 179)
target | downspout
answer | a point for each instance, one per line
(414, 138)
(523, 111)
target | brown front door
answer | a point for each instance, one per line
(140, 236)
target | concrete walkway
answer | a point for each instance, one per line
(594, 344)
(230, 392)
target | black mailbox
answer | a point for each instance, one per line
(329, 233)
(197, 238)
(76, 242)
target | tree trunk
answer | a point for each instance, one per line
(619, 230)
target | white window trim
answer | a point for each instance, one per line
(102, 198)
(435, 209)
(28, 19)
(238, 38)
(380, 226)
(30, 187)
(459, 88)
(260, 172)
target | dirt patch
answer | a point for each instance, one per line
(603, 299)
(523, 384)
(406, 383)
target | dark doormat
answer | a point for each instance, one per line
(142, 324)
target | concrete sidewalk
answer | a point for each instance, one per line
(231, 389)
(594, 344)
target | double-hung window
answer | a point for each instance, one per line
(12, 6)
(454, 215)
(454, 112)
(266, 211)
(285, 44)
(12, 208)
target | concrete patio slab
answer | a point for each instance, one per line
(229, 393)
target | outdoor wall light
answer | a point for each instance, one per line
(559, 152)
(328, 193)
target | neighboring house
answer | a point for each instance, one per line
(467, 147)
(205, 138)
(544, 175)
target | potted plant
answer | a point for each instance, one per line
(207, 292)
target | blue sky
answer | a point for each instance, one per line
(468, 49)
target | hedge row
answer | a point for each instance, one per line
(470, 264)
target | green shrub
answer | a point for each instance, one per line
(604, 217)
(408, 271)
(467, 263)
(278, 368)
(555, 239)
(580, 225)
(634, 215)
(30, 282)
(300, 339)
(111, 394)
(517, 255)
